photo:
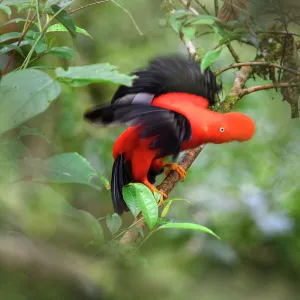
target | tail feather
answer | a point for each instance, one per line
(121, 176)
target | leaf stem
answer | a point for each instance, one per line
(38, 14)
(27, 59)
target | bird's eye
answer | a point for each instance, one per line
(222, 129)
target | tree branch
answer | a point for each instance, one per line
(188, 6)
(85, 6)
(267, 87)
(256, 63)
(202, 6)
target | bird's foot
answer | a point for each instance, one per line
(175, 167)
(162, 194)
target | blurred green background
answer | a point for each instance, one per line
(248, 193)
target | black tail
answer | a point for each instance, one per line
(121, 176)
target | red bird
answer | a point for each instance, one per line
(167, 111)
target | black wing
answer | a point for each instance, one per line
(168, 128)
(132, 105)
(169, 75)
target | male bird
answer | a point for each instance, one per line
(167, 111)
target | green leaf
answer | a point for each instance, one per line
(82, 76)
(188, 32)
(130, 198)
(40, 47)
(166, 209)
(178, 18)
(209, 58)
(63, 52)
(16, 20)
(65, 19)
(202, 20)
(9, 36)
(90, 222)
(6, 9)
(24, 131)
(189, 226)
(147, 203)
(14, 46)
(62, 28)
(14, 2)
(61, 168)
(113, 223)
(139, 230)
(23, 95)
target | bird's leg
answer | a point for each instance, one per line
(175, 167)
(154, 189)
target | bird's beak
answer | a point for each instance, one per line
(241, 127)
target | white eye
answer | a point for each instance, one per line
(222, 129)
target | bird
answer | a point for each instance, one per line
(167, 111)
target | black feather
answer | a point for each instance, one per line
(169, 128)
(172, 74)
(121, 176)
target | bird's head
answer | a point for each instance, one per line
(233, 126)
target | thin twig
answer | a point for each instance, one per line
(129, 14)
(267, 87)
(188, 4)
(195, 12)
(279, 32)
(203, 7)
(256, 63)
(216, 7)
(190, 47)
(233, 53)
(189, 7)
(85, 6)
(19, 42)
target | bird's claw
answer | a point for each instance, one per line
(175, 167)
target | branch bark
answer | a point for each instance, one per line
(257, 63)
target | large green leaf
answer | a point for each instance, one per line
(63, 52)
(210, 57)
(15, 46)
(113, 223)
(84, 75)
(147, 203)
(16, 20)
(62, 28)
(130, 198)
(177, 19)
(6, 9)
(64, 19)
(23, 95)
(9, 36)
(61, 168)
(189, 226)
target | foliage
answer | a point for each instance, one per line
(54, 167)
